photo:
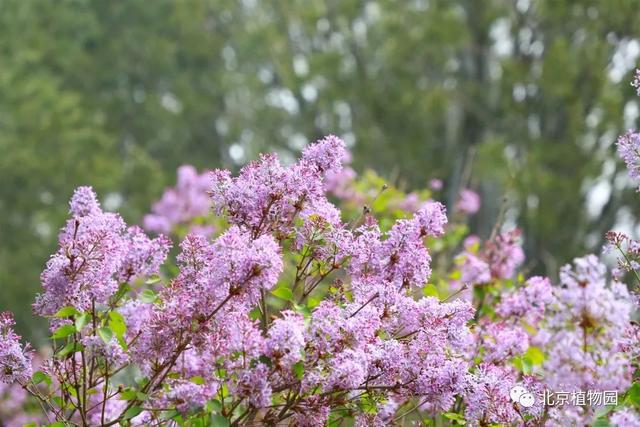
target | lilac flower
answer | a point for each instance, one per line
(348, 370)
(435, 184)
(185, 395)
(529, 301)
(629, 150)
(585, 329)
(504, 254)
(488, 398)
(327, 154)
(473, 269)
(266, 196)
(286, 340)
(502, 341)
(113, 407)
(96, 251)
(253, 385)
(144, 256)
(15, 359)
(84, 203)
(179, 205)
(468, 202)
(625, 417)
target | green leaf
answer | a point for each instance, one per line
(132, 412)
(63, 331)
(197, 380)
(81, 321)
(283, 293)
(534, 355)
(57, 424)
(298, 369)
(457, 418)
(313, 302)
(128, 395)
(264, 359)
(68, 349)
(153, 280)
(632, 396)
(430, 290)
(148, 296)
(601, 422)
(117, 324)
(39, 377)
(106, 334)
(218, 420)
(213, 406)
(66, 312)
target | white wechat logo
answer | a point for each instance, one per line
(520, 395)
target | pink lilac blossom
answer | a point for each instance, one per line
(435, 184)
(504, 254)
(502, 341)
(629, 150)
(145, 255)
(528, 302)
(625, 417)
(232, 271)
(180, 205)
(468, 202)
(581, 335)
(266, 196)
(96, 251)
(285, 339)
(15, 359)
(487, 399)
(14, 407)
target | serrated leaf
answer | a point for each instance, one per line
(106, 334)
(218, 420)
(66, 312)
(283, 293)
(63, 331)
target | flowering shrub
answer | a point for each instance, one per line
(282, 309)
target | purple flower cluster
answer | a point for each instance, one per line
(96, 252)
(629, 150)
(15, 359)
(180, 205)
(582, 333)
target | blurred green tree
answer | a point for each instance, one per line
(515, 98)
